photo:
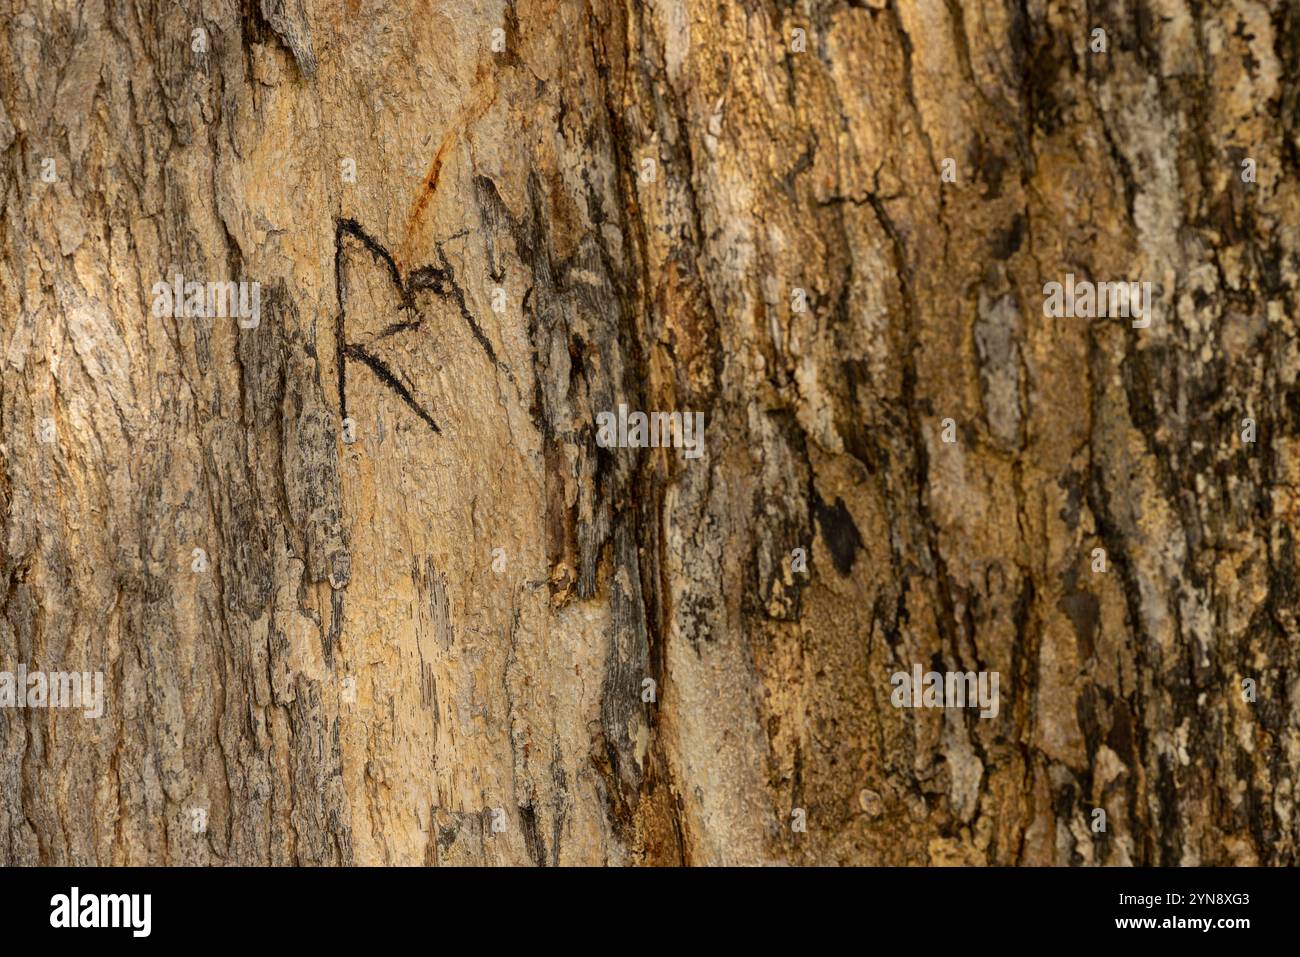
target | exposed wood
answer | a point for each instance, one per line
(453, 608)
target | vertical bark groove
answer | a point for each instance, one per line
(465, 632)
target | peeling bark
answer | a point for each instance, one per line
(427, 641)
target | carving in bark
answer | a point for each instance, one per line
(471, 634)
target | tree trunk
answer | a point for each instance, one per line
(428, 599)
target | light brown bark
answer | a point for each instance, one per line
(369, 565)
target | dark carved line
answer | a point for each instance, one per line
(396, 327)
(340, 365)
(349, 227)
(440, 280)
(464, 309)
(386, 376)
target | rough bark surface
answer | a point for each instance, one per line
(351, 680)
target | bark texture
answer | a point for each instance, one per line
(351, 680)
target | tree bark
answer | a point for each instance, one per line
(430, 644)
